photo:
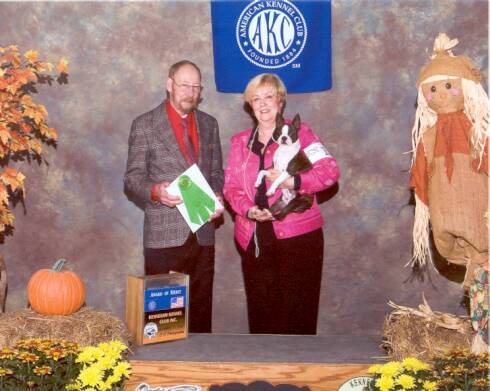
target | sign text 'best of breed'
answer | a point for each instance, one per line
(289, 38)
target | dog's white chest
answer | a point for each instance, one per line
(284, 154)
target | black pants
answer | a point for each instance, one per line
(283, 285)
(196, 261)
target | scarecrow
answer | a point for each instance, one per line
(449, 172)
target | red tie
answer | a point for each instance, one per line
(189, 148)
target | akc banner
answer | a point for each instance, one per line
(289, 38)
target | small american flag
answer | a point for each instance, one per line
(177, 302)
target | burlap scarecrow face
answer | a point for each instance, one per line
(444, 96)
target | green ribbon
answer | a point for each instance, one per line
(197, 202)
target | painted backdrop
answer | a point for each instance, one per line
(118, 56)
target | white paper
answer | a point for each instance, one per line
(316, 151)
(195, 174)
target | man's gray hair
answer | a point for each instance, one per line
(175, 67)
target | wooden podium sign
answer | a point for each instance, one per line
(157, 307)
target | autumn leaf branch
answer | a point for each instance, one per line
(23, 122)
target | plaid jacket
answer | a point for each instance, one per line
(154, 156)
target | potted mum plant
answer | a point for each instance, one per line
(452, 371)
(47, 365)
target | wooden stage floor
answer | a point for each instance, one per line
(317, 362)
(321, 377)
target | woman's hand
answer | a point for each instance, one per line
(254, 213)
(220, 211)
(272, 175)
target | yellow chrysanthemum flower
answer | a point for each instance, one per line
(374, 368)
(90, 376)
(123, 369)
(88, 354)
(105, 363)
(118, 346)
(103, 386)
(413, 364)
(406, 381)
(385, 383)
(390, 369)
(104, 346)
(112, 379)
(430, 385)
(112, 356)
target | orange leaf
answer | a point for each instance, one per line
(26, 100)
(13, 178)
(48, 132)
(10, 57)
(26, 128)
(31, 55)
(10, 171)
(4, 197)
(44, 66)
(36, 145)
(52, 133)
(37, 113)
(62, 66)
(24, 75)
(4, 136)
(12, 88)
(6, 218)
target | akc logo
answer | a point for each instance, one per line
(356, 384)
(271, 34)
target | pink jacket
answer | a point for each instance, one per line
(241, 173)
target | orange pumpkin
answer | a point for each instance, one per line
(56, 292)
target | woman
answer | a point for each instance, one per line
(281, 260)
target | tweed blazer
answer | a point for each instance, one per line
(154, 156)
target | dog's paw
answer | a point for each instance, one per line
(270, 192)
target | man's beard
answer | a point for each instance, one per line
(188, 105)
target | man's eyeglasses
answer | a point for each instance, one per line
(188, 87)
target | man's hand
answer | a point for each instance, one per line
(165, 198)
(220, 211)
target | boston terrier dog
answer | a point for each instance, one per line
(290, 160)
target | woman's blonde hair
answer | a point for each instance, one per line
(265, 80)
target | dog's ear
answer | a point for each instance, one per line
(279, 120)
(296, 121)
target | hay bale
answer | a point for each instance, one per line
(423, 333)
(86, 327)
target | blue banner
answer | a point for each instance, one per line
(165, 298)
(289, 38)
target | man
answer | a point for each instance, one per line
(163, 143)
